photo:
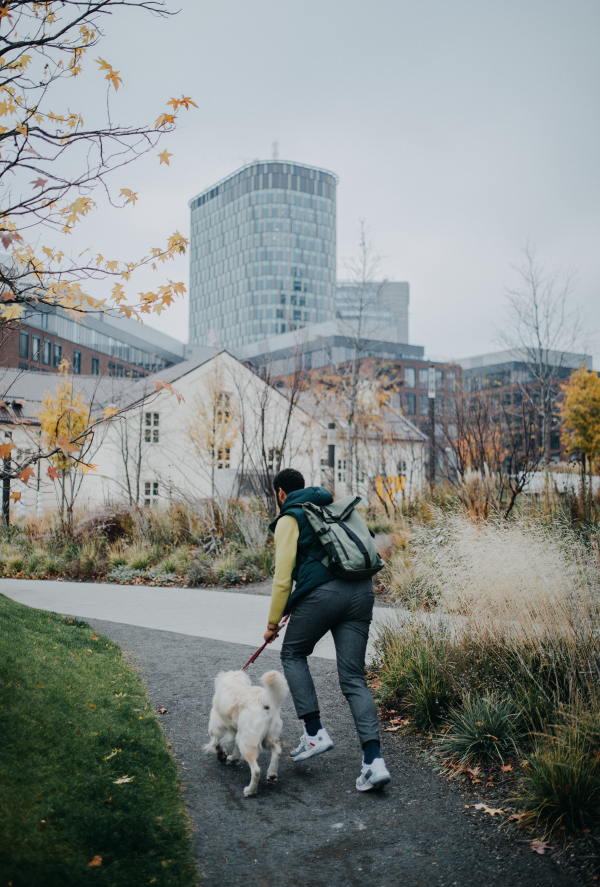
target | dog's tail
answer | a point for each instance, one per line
(276, 686)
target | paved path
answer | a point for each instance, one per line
(313, 827)
(207, 613)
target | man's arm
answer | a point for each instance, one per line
(286, 547)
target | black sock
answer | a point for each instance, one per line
(313, 724)
(371, 750)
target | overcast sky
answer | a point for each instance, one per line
(458, 129)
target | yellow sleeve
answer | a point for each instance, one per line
(286, 544)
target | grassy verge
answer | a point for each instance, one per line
(75, 719)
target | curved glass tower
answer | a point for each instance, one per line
(262, 254)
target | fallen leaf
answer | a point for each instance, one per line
(112, 754)
(97, 860)
(124, 779)
(516, 817)
(163, 711)
(94, 637)
(506, 768)
(474, 771)
(92, 705)
(540, 847)
(485, 809)
(90, 651)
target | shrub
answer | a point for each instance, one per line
(113, 522)
(412, 672)
(252, 527)
(483, 729)
(561, 785)
(14, 564)
(199, 573)
(52, 564)
(141, 559)
(124, 574)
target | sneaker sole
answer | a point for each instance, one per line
(373, 786)
(304, 756)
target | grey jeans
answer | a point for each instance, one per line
(345, 609)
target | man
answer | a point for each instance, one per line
(320, 602)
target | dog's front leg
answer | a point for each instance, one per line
(274, 762)
(251, 758)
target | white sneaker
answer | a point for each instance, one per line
(373, 775)
(312, 745)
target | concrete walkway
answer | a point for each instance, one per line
(234, 617)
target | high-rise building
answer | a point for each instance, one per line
(382, 307)
(262, 254)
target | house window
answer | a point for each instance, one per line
(439, 380)
(341, 473)
(119, 371)
(150, 492)
(451, 380)
(223, 408)
(77, 362)
(409, 377)
(223, 457)
(95, 366)
(423, 405)
(424, 378)
(401, 467)
(151, 428)
(111, 367)
(36, 347)
(410, 404)
(23, 344)
(47, 352)
(57, 354)
(274, 457)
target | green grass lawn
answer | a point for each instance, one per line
(74, 718)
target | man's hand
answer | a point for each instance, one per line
(271, 633)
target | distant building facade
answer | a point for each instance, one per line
(383, 306)
(262, 254)
(96, 345)
(509, 377)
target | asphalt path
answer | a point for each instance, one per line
(312, 827)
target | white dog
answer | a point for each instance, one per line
(250, 717)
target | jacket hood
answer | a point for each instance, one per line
(316, 495)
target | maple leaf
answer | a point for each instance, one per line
(129, 194)
(491, 810)
(66, 446)
(124, 779)
(185, 101)
(26, 474)
(516, 817)
(164, 119)
(15, 496)
(94, 637)
(540, 847)
(163, 711)
(6, 448)
(39, 183)
(53, 473)
(85, 468)
(112, 266)
(97, 860)
(164, 157)
(110, 411)
(506, 768)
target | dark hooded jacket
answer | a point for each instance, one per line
(309, 572)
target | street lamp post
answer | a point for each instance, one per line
(331, 454)
(431, 393)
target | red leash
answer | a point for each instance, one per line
(255, 656)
